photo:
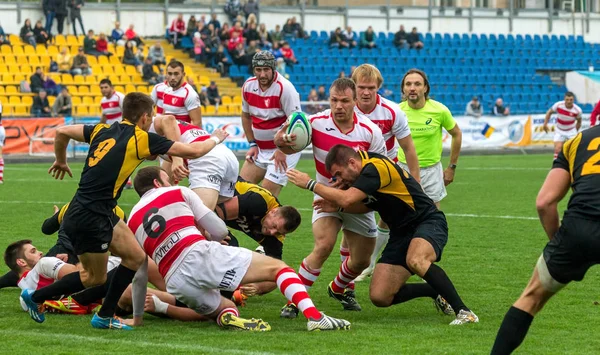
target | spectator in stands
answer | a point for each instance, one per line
(102, 45)
(80, 64)
(221, 61)
(251, 8)
(139, 54)
(298, 29)
(280, 67)
(49, 9)
(264, 37)
(191, 26)
(350, 37)
(342, 74)
(213, 94)
(276, 35)
(337, 39)
(3, 40)
(26, 33)
(41, 36)
(595, 116)
(250, 51)
(198, 48)
(148, 73)
(499, 108)
(131, 35)
(130, 58)
(234, 42)
(41, 106)
(203, 98)
(177, 30)
(314, 108)
(50, 86)
(321, 94)
(288, 32)
(63, 105)
(276, 51)
(288, 54)
(224, 33)
(191, 82)
(64, 60)
(61, 13)
(250, 20)
(238, 55)
(36, 81)
(214, 21)
(157, 53)
(474, 108)
(89, 44)
(117, 35)
(237, 28)
(76, 6)
(202, 20)
(413, 39)
(368, 39)
(232, 9)
(251, 34)
(400, 39)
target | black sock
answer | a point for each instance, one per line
(233, 242)
(69, 284)
(121, 279)
(10, 279)
(437, 278)
(180, 304)
(410, 291)
(512, 331)
(94, 294)
(226, 294)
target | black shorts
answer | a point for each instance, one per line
(573, 250)
(60, 249)
(434, 230)
(90, 232)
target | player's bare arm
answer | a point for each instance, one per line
(197, 149)
(408, 146)
(325, 206)
(455, 146)
(166, 126)
(578, 124)
(343, 198)
(103, 118)
(228, 210)
(63, 135)
(553, 190)
(547, 119)
(284, 141)
(196, 117)
(252, 153)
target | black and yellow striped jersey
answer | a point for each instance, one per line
(254, 203)
(580, 156)
(392, 192)
(115, 152)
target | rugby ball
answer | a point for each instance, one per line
(300, 126)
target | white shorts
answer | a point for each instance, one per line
(207, 268)
(263, 161)
(2, 136)
(361, 224)
(217, 171)
(562, 136)
(432, 181)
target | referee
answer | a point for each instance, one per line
(426, 118)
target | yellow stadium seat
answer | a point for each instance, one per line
(80, 39)
(87, 100)
(223, 110)
(115, 79)
(142, 88)
(29, 50)
(204, 80)
(27, 69)
(51, 100)
(9, 59)
(125, 79)
(18, 50)
(73, 90)
(84, 90)
(34, 61)
(210, 110)
(72, 40)
(129, 88)
(120, 51)
(74, 50)
(81, 110)
(237, 99)
(97, 99)
(27, 100)
(66, 79)
(19, 77)
(96, 110)
(6, 50)
(11, 90)
(3, 67)
(78, 79)
(7, 110)
(13, 38)
(91, 79)
(114, 60)
(21, 110)
(95, 91)
(14, 100)
(226, 100)
(45, 61)
(119, 88)
(60, 40)
(97, 70)
(2, 92)
(130, 69)
(55, 76)
(7, 78)
(41, 50)
(52, 51)
(103, 60)
(116, 69)
(92, 60)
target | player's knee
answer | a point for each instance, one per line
(379, 299)
(359, 264)
(417, 264)
(323, 250)
(93, 279)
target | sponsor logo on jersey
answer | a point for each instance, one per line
(104, 246)
(166, 245)
(428, 120)
(329, 129)
(214, 179)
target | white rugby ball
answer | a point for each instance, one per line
(300, 126)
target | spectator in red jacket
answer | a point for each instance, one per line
(234, 41)
(102, 45)
(177, 29)
(595, 115)
(288, 54)
(131, 35)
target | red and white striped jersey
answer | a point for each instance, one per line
(269, 109)
(566, 117)
(164, 223)
(175, 102)
(44, 273)
(325, 134)
(112, 108)
(392, 121)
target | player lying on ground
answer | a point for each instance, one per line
(165, 224)
(418, 230)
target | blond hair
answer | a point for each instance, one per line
(367, 72)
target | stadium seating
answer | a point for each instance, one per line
(459, 66)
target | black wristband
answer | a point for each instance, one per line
(310, 185)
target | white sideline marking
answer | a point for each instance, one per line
(503, 168)
(466, 215)
(108, 340)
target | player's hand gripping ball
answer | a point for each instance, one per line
(299, 125)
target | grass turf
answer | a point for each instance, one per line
(495, 239)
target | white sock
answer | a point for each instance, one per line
(383, 235)
(160, 306)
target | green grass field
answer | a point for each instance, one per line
(495, 240)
